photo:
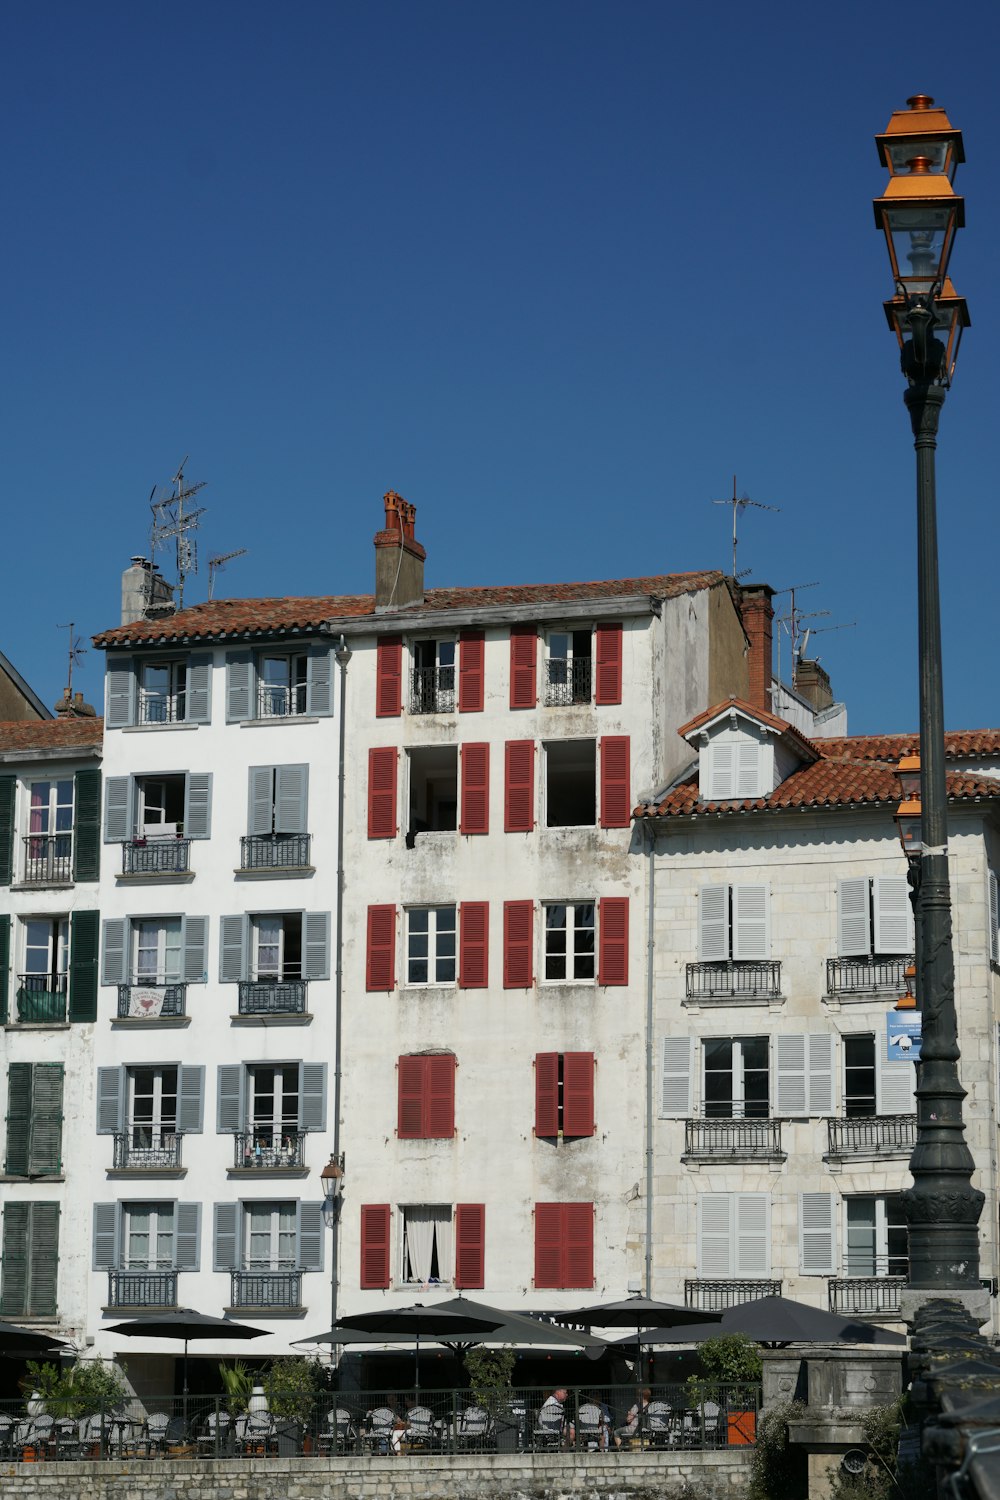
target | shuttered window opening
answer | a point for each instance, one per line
(147, 1235)
(41, 987)
(804, 1066)
(874, 1084)
(154, 952)
(267, 1239)
(733, 923)
(380, 962)
(735, 770)
(427, 1243)
(519, 786)
(994, 904)
(518, 943)
(389, 677)
(570, 783)
(274, 947)
(375, 1269)
(382, 782)
(471, 672)
(430, 944)
(272, 685)
(736, 1079)
(475, 817)
(474, 918)
(278, 800)
(433, 783)
(817, 1242)
(876, 1238)
(426, 1106)
(568, 668)
(570, 949)
(470, 1246)
(48, 845)
(613, 952)
(609, 663)
(734, 1235)
(564, 1245)
(34, 1119)
(564, 1094)
(432, 686)
(874, 916)
(30, 1266)
(616, 800)
(264, 1099)
(523, 658)
(154, 690)
(161, 808)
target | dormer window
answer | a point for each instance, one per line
(734, 770)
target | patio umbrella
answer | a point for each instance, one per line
(637, 1312)
(394, 1323)
(184, 1323)
(777, 1320)
(517, 1328)
(24, 1343)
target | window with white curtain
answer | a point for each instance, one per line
(157, 950)
(148, 1236)
(427, 1243)
(270, 1236)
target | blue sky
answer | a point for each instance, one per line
(554, 271)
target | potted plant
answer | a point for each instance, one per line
(292, 1387)
(490, 1372)
(731, 1360)
(237, 1382)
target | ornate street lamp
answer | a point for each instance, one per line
(920, 215)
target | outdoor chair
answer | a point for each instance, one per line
(548, 1431)
(258, 1435)
(6, 1436)
(213, 1439)
(590, 1426)
(419, 1432)
(340, 1434)
(93, 1432)
(707, 1423)
(474, 1431)
(156, 1432)
(67, 1436)
(656, 1425)
(377, 1435)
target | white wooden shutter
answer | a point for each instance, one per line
(893, 917)
(753, 1234)
(790, 1052)
(994, 918)
(748, 769)
(819, 1094)
(715, 1234)
(750, 934)
(713, 923)
(816, 1233)
(678, 1058)
(853, 922)
(895, 1082)
(722, 758)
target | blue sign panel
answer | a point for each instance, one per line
(903, 1035)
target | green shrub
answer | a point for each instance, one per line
(86, 1387)
(778, 1470)
(293, 1387)
(490, 1372)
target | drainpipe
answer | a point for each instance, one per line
(649, 836)
(342, 652)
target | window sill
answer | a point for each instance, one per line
(37, 1026)
(274, 1018)
(250, 1310)
(158, 877)
(249, 1172)
(145, 1023)
(158, 728)
(46, 885)
(138, 1311)
(277, 872)
(279, 720)
(857, 997)
(733, 1002)
(128, 1174)
(33, 1177)
(429, 991)
(27, 1320)
(773, 1159)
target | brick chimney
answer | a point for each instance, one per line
(399, 557)
(757, 614)
(72, 706)
(812, 682)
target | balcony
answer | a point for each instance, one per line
(869, 1295)
(872, 1135)
(162, 708)
(143, 1289)
(432, 690)
(716, 1296)
(567, 682)
(276, 1292)
(867, 976)
(268, 1150)
(731, 1139)
(272, 997)
(151, 1002)
(275, 702)
(48, 859)
(41, 999)
(143, 1149)
(275, 851)
(734, 980)
(165, 856)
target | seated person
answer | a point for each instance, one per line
(631, 1425)
(552, 1416)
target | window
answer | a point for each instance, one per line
(569, 941)
(874, 1084)
(269, 1236)
(733, 766)
(734, 1235)
(42, 985)
(564, 1245)
(570, 783)
(281, 686)
(433, 789)
(152, 1110)
(157, 807)
(34, 1119)
(276, 684)
(874, 917)
(276, 946)
(859, 1075)
(147, 1237)
(49, 845)
(30, 1260)
(162, 692)
(876, 1237)
(430, 945)
(156, 950)
(564, 1094)
(151, 953)
(273, 1102)
(433, 685)
(994, 918)
(278, 799)
(568, 667)
(736, 1079)
(156, 691)
(150, 1106)
(160, 806)
(426, 1104)
(733, 923)
(428, 1252)
(270, 947)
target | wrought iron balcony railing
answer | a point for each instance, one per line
(266, 1289)
(867, 1135)
(866, 1294)
(143, 1149)
(166, 856)
(274, 702)
(141, 1001)
(268, 1149)
(716, 1296)
(275, 851)
(142, 1289)
(725, 1138)
(41, 999)
(48, 858)
(432, 690)
(262, 997)
(867, 976)
(162, 708)
(567, 681)
(734, 980)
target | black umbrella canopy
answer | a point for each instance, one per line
(23, 1343)
(423, 1322)
(775, 1320)
(516, 1328)
(634, 1312)
(184, 1323)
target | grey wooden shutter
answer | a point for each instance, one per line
(819, 1094)
(198, 805)
(715, 1234)
(816, 1234)
(43, 1262)
(319, 693)
(260, 814)
(121, 692)
(84, 934)
(199, 687)
(893, 918)
(751, 939)
(8, 794)
(107, 1217)
(994, 918)
(713, 923)
(675, 1096)
(790, 1054)
(225, 1237)
(114, 951)
(87, 825)
(233, 948)
(312, 1096)
(753, 1234)
(239, 686)
(187, 1236)
(853, 919)
(191, 1100)
(291, 795)
(110, 1095)
(18, 1118)
(45, 1148)
(194, 935)
(119, 818)
(229, 1100)
(310, 1235)
(316, 945)
(722, 778)
(4, 967)
(895, 1083)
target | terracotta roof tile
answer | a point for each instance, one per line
(762, 715)
(240, 617)
(48, 734)
(958, 744)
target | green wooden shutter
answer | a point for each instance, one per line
(18, 1119)
(45, 1143)
(43, 1260)
(14, 1280)
(84, 933)
(7, 788)
(87, 825)
(4, 967)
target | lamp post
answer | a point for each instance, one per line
(920, 215)
(332, 1178)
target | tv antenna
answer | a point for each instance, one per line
(741, 502)
(77, 651)
(216, 563)
(170, 519)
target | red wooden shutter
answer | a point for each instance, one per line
(439, 1096)
(380, 969)
(523, 653)
(578, 1093)
(519, 786)
(389, 677)
(382, 793)
(609, 664)
(411, 1077)
(578, 1244)
(470, 1246)
(475, 816)
(374, 1245)
(471, 671)
(547, 1093)
(613, 961)
(548, 1245)
(616, 805)
(518, 941)
(473, 945)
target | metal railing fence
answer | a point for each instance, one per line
(867, 1134)
(734, 980)
(156, 856)
(274, 851)
(48, 858)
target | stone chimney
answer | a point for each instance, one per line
(812, 683)
(757, 614)
(144, 592)
(399, 557)
(72, 706)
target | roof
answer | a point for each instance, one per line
(761, 715)
(958, 744)
(25, 689)
(223, 618)
(50, 734)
